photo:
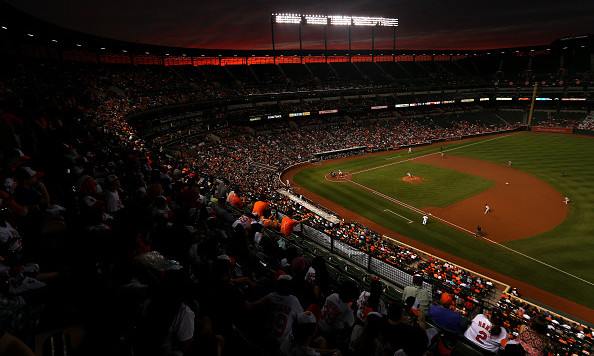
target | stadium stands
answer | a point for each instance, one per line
(127, 243)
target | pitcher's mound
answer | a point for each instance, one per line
(413, 179)
(345, 177)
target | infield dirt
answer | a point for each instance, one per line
(525, 207)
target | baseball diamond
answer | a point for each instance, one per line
(525, 213)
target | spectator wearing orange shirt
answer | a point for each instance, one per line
(269, 219)
(288, 224)
(235, 200)
(260, 206)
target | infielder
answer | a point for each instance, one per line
(487, 209)
(425, 218)
(566, 200)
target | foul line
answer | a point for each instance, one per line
(410, 207)
(428, 154)
(468, 231)
(447, 222)
(409, 220)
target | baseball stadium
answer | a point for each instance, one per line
(340, 200)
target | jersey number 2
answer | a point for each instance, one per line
(481, 336)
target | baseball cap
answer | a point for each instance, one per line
(227, 258)
(417, 279)
(27, 172)
(15, 152)
(316, 310)
(306, 317)
(284, 277)
(278, 273)
(446, 298)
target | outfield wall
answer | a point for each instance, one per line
(566, 130)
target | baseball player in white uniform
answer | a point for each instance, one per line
(425, 218)
(566, 200)
(340, 172)
(410, 150)
(479, 332)
(487, 209)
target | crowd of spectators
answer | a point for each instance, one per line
(127, 250)
(564, 336)
(587, 123)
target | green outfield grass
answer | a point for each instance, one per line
(569, 247)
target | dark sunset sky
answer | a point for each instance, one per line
(234, 24)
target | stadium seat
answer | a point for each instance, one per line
(466, 348)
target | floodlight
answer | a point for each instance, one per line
(340, 20)
(287, 18)
(316, 20)
(337, 20)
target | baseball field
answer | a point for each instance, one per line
(531, 239)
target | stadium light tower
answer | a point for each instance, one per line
(333, 20)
